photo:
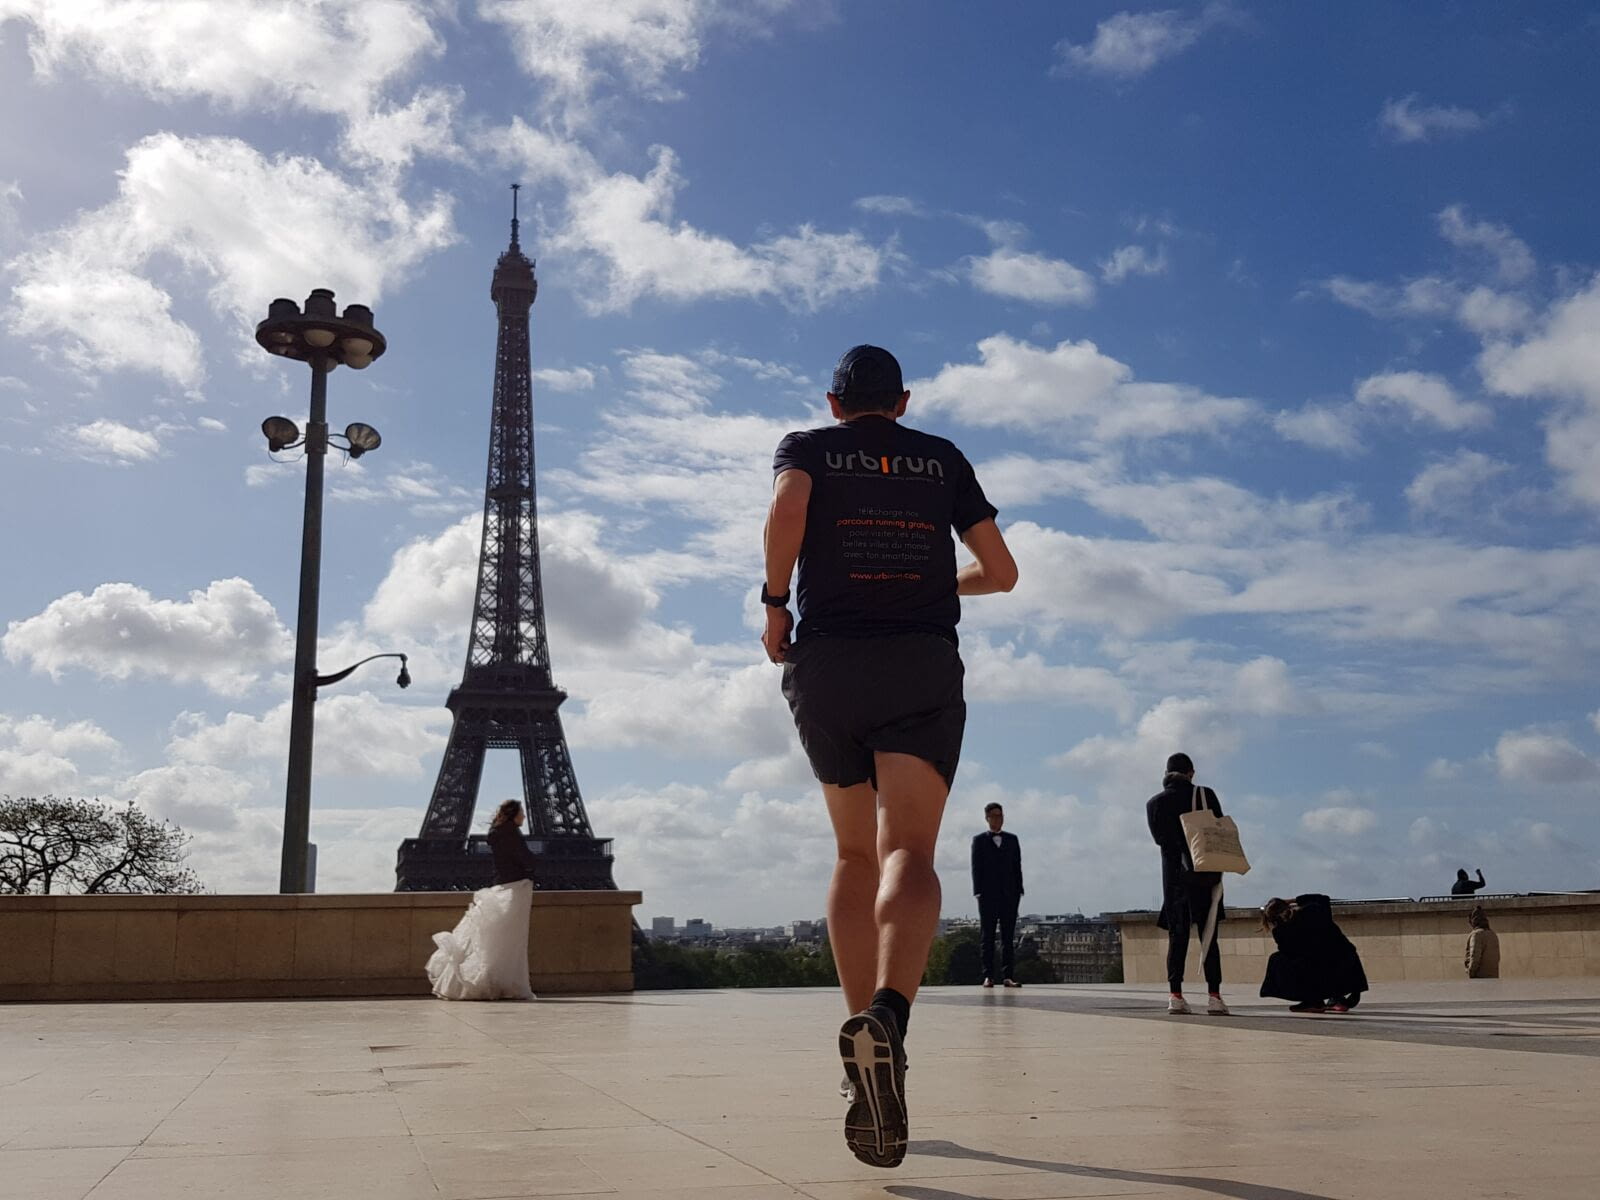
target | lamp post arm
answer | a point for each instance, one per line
(325, 680)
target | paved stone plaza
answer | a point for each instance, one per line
(1457, 1091)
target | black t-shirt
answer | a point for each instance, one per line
(877, 556)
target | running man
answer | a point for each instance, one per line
(874, 680)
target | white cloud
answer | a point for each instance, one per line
(1442, 770)
(1448, 483)
(1405, 120)
(219, 207)
(1129, 44)
(1002, 674)
(1542, 758)
(569, 379)
(574, 48)
(1427, 296)
(224, 637)
(1492, 314)
(1424, 397)
(1070, 388)
(316, 55)
(629, 247)
(198, 798)
(39, 757)
(1561, 359)
(1514, 262)
(1194, 509)
(1339, 820)
(10, 206)
(891, 206)
(104, 440)
(591, 597)
(392, 136)
(1132, 260)
(357, 735)
(1321, 426)
(1035, 278)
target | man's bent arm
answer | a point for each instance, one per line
(995, 570)
(786, 527)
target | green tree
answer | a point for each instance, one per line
(966, 959)
(53, 846)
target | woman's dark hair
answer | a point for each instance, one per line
(506, 814)
(1275, 913)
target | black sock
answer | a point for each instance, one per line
(896, 1003)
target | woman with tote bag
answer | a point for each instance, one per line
(1190, 897)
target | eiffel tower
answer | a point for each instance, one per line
(507, 698)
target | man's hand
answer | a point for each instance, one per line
(780, 624)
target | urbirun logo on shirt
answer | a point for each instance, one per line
(900, 464)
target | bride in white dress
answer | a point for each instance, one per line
(485, 957)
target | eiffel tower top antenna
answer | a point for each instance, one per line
(515, 224)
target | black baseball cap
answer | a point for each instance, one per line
(867, 373)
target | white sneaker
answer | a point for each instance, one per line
(1177, 1006)
(1215, 1007)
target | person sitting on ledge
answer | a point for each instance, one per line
(1315, 965)
(1464, 886)
(1483, 946)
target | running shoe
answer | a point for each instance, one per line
(875, 1066)
(1177, 1006)
(1215, 1007)
(1308, 1007)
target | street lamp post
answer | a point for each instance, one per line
(323, 339)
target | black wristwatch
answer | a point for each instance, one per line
(772, 601)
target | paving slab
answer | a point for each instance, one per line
(1440, 1091)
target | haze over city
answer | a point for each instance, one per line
(1271, 334)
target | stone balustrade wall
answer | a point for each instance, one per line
(1541, 937)
(236, 947)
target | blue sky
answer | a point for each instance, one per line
(1273, 336)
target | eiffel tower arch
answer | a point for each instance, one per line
(507, 698)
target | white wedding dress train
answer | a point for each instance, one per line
(485, 957)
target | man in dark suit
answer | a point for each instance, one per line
(997, 883)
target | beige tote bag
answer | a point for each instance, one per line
(1213, 840)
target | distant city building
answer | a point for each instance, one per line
(663, 927)
(697, 927)
(1081, 949)
(803, 931)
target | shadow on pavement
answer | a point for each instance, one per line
(1233, 1188)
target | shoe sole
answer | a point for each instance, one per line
(875, 1127)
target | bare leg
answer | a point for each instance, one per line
(911, 796)
(852, 928)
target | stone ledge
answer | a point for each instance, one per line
(307, 900)
(277, 947)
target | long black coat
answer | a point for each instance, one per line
(1314, 960)
(1183, 889)
(512, 858)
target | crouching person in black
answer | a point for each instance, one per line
(1315, 965)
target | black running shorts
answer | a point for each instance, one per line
(853, 696)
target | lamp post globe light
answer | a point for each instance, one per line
(323, 338)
